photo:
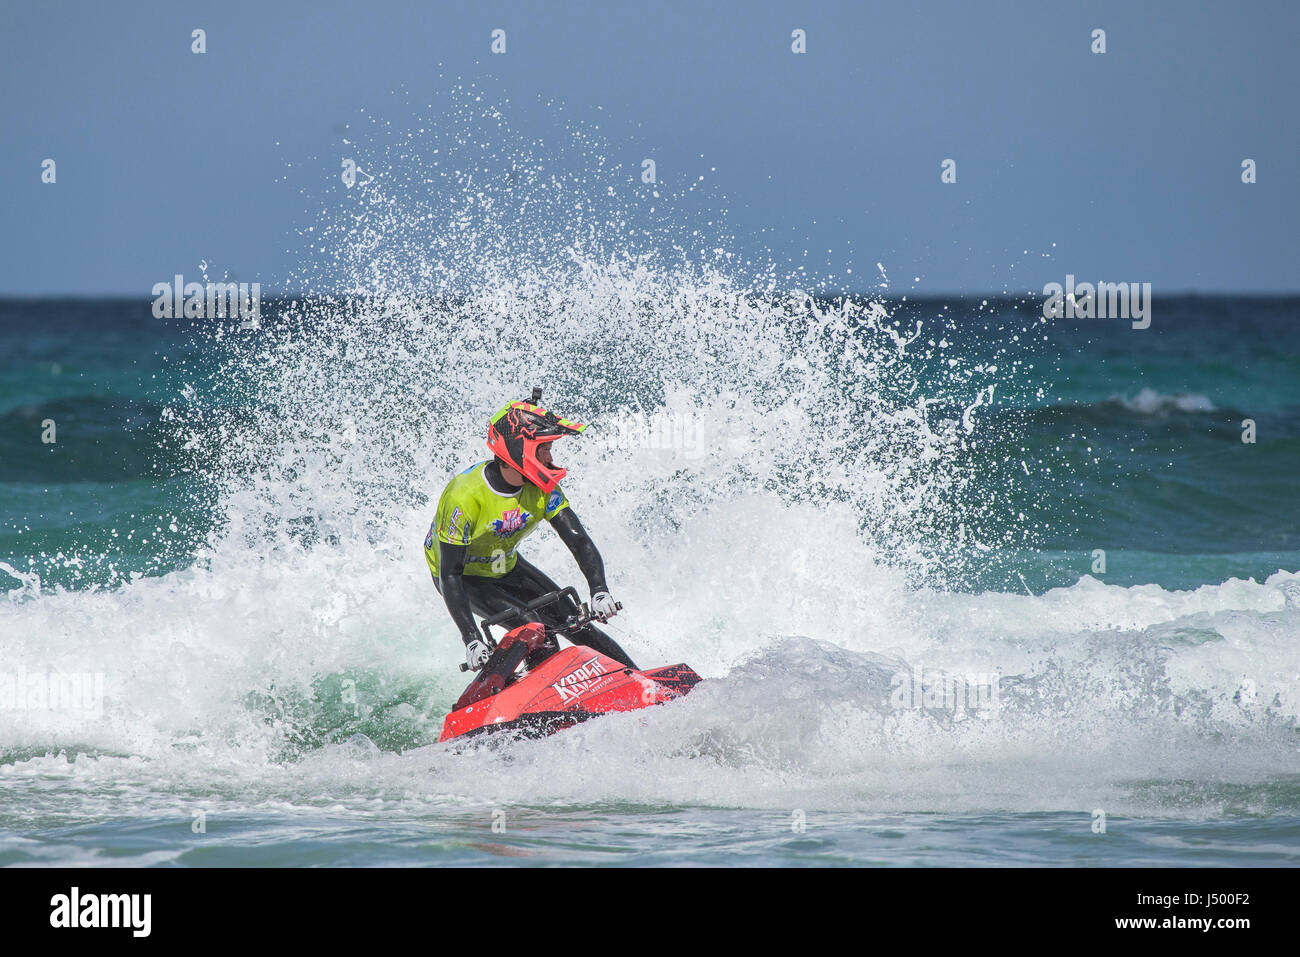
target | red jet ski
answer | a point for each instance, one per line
(568, 686)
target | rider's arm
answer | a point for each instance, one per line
(451, 578)
(584, 550)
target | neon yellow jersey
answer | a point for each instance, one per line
(471, 512)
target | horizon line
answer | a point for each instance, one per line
(885, 294)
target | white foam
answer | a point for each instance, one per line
(793, 562)
(1150, 402)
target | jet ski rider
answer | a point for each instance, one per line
(488, 509)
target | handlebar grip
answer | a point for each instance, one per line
(510, 613)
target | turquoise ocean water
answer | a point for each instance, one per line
(225, 535)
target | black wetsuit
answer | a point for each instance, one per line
(466, 595)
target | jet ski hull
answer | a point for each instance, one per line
(570, 686)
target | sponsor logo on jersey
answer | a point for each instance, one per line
(510, 522)
(583, 679)
(453, 524)
(428, 539)
(497, 556)
(554, 501)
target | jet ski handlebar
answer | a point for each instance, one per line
(584, 615)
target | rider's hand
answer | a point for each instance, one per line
(603, 605)
(476, 654)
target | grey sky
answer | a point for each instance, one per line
(1129, 161)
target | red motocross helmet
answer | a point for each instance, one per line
(519, 429)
